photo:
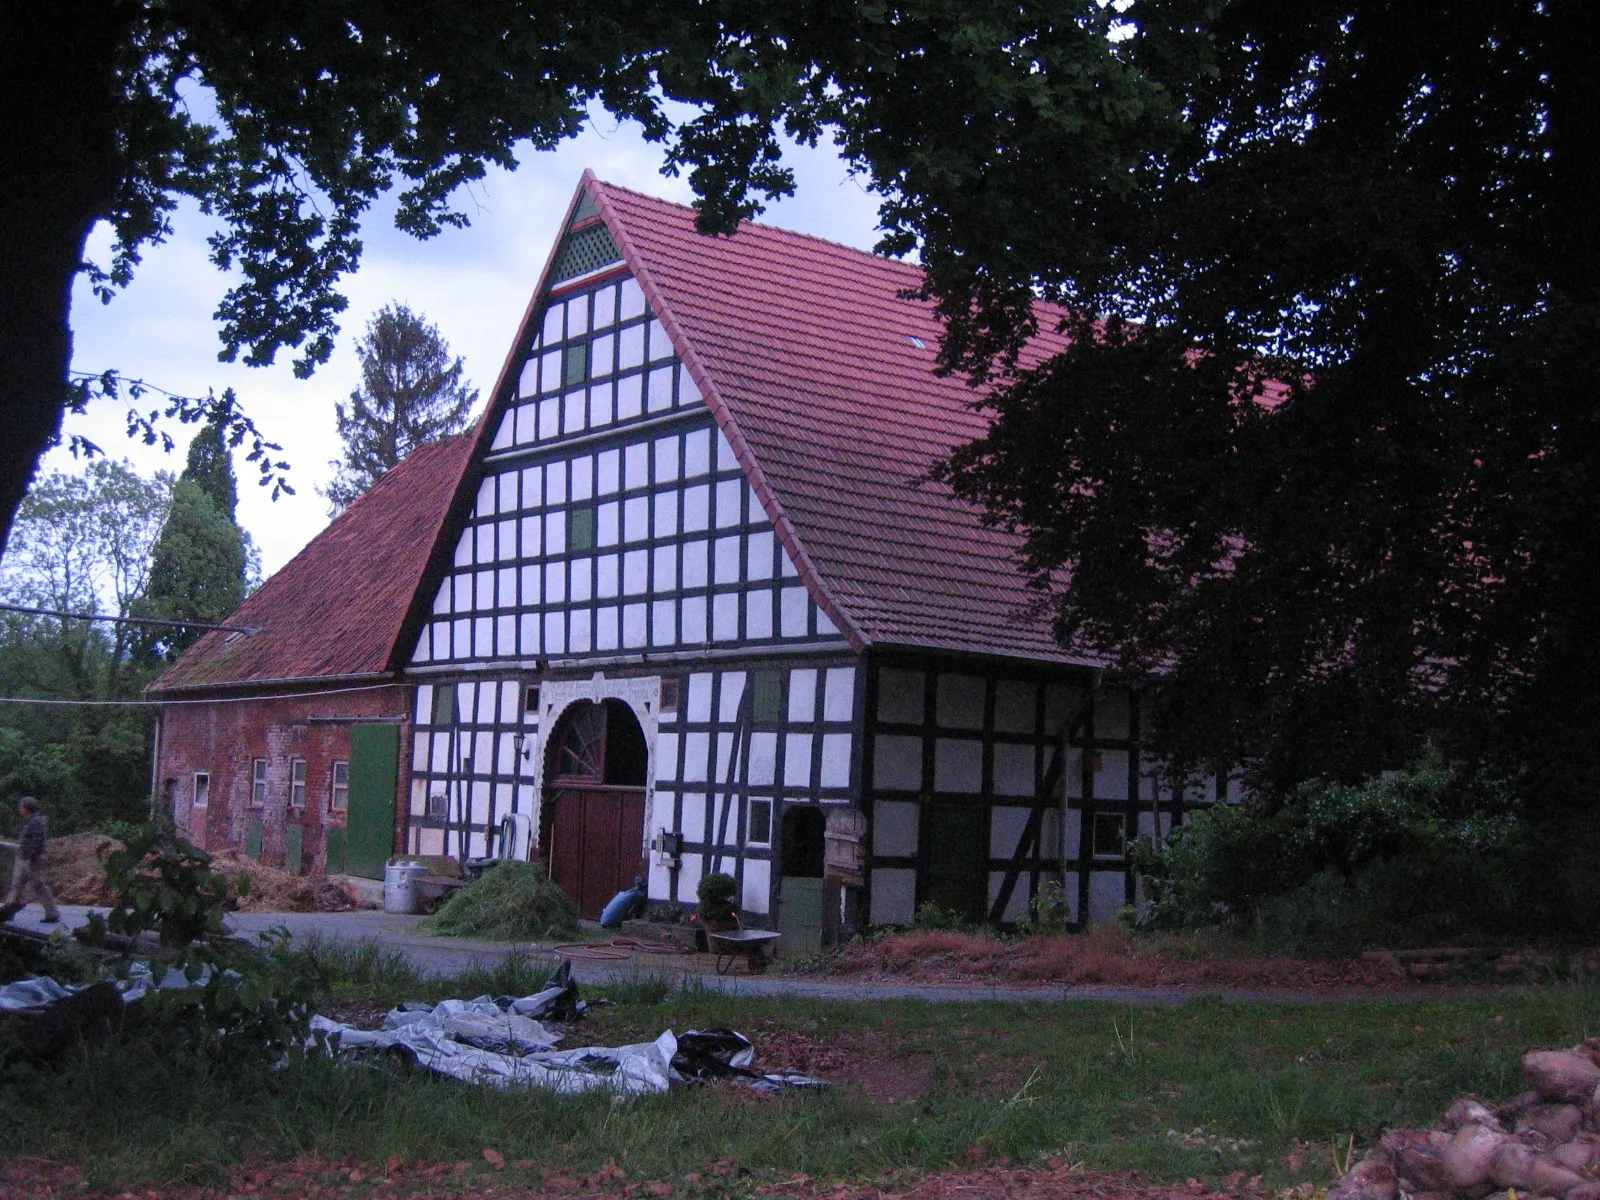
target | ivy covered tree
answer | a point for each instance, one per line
(412, 392)
(200, 565)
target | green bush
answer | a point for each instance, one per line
(513, 902)
(715, 893)
(1424, 855)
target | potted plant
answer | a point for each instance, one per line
(716, 913)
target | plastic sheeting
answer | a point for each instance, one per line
(477, 1041)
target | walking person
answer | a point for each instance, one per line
(27, 874)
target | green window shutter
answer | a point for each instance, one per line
(444, 704)
(293, 841)
(575, 367)
(766, 701)
(580, 529)
(254, 830)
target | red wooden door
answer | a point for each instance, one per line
(593, 834)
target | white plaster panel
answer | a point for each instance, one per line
(835, 760)
(1111, 715)
(700, 697)
(894, 828)
(663, 623)
(900, 695)
(1062, 703)
(758, 613)
(759, 556)
(419, 752)
(725, 560)
(960, 701)
(1015, 706)
(696, 452)
(763, 764)
(802, 696)
(957, 765)
(693, 631)
(688, 878)
(425, 704)
(727, 743)
(430, 841)
(732, 694)
(839, 694)
(579, 632)
(757, 885)
(694, 564)
(659, 886)
(897, 763)
(419, 797)
(480, 801)
(1017, 905)
(1074, 772)
(1005, 830)
(1013, 770)
(797, 760)
(1072, 842)
(666, 756)
(1111, 779)
(725, 617)
(696, 753)
(1107, 894)
(794, 606)
(894, 896)
(693, 825)
(441, 754)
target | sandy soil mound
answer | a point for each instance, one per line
(77, 875)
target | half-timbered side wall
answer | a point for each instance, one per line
(471, 756)
(746, 743)
(983, 784)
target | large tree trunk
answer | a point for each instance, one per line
(59, 170)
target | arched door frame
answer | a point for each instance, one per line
(642, 694)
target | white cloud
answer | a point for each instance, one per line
(473, 283)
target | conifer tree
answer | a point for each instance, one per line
(200, 564)
(411, 393)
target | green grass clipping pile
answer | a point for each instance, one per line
(513, 902)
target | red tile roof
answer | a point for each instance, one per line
(339, 606)
(805, 351)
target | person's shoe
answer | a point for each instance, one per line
(8, 911)
(50, 919)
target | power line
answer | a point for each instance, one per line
(247, 630)
(365, 687)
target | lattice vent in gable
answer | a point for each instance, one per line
(585, 251)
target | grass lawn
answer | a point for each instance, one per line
(1203, 1090)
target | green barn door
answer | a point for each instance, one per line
(369, 825)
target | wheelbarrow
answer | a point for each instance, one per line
(749, 944)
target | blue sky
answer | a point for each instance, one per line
(472, 283)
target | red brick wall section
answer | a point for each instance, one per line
(225, 737)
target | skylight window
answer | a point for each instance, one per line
(918, 342)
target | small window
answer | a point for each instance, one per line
(669, 695)
(297, 782)
(1110, 835)
(766, 701)
(759, 830)
(438, 806)
(580, 529)
(339, 799)
(530, 698)
(202, 788)
(575, 366)
(258, 783)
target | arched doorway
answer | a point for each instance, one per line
(592, 823)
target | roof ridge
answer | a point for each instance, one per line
(764, 227)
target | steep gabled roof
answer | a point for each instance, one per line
(821, 373)
(338, 608)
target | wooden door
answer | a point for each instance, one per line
(593, 822)
(369, 821)
(957, 841)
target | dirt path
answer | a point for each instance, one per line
(447, 956)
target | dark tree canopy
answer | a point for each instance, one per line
(1388, 209)
(286, 121)
(210, 468)
(411, 393)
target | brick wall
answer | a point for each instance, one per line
(225, 737)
